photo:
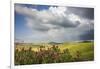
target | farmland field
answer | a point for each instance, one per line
(30, 53)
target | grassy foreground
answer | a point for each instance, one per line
(28, 53)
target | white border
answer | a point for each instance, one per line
(37, 2)
(12, 36)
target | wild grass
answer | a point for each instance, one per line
(26, 54)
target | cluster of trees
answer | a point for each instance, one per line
(42, 56)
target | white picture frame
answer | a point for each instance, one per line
(12, 32)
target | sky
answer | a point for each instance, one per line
(47, 23)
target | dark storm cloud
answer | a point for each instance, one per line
(40, 28)
(83, 12)
(65, 23)
(70, 24)
(88, 35)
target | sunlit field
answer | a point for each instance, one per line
(42, 53)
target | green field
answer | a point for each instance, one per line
(86, 49)
(64, 52)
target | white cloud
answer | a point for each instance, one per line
(58, 11)
(25, 11)
(74, 17)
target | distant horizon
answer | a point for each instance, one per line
(56, 42)
(48, 23)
